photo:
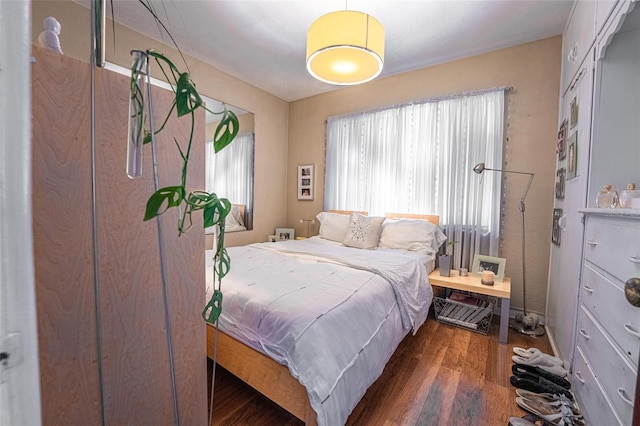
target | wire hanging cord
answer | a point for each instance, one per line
(163, 266)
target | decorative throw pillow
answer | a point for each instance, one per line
(410, 234)
(333, 226)
(363, 232)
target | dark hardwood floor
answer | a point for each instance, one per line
(443, 375)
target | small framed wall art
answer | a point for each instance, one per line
(574, 112)
(562, 141)
(560, 178)
(555, 230)
(305, 182)
(572, 156)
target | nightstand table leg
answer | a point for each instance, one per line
(504, 319)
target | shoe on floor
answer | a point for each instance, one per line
(543, 362)
(549, 399)
(562, 415)
(539, 384)
(528, 353)
(527, 420)
(523, 368)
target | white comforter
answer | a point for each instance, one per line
(334, 315)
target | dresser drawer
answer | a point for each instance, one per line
(603, 299)
(593, 403)
(614, 247)
(613, 372)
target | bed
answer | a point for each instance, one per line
(311, 324)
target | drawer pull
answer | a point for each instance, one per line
(634, 259)
(631, 330)
(622, 393)
(579, 377)
(592, 242)
(588, 288)
(584, 334)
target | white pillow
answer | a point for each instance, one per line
(363, 232)
(411, 234)
(333, 226)
(234, 218)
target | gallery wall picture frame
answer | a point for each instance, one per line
(572, 156)
(574, 112)
(305, 182)
(488, 263)
(562, 141)
(560, 179)
(555, 229)
(284, 234)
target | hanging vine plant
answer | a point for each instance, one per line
(186, 102)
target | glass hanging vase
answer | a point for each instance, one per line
(137, 116)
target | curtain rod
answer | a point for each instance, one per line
(427, 100)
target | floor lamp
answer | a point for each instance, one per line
(528, 324)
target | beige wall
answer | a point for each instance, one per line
(271, 113)
(533, 70)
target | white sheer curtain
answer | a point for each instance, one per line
(419, 158)
(229, 173)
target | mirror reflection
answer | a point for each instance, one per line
(229, 173)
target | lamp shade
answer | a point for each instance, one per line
(345, 48)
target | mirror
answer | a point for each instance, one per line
(229, 173)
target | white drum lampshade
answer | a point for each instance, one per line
(345, 48)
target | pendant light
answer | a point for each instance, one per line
(345, 48)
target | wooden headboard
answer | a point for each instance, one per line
(348, 212)
(435, 219)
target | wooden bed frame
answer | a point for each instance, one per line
(271, 379)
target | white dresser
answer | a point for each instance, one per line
(608, 327)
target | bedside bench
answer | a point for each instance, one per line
(470, 283)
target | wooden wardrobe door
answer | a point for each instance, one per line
(135, 363)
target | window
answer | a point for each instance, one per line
(229, 173)
(419, 158)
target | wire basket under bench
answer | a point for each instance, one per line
(472, 311)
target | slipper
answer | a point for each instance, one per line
(539, 384)
(549, 400)
(558, 380)
(562, 415)
(528, 353)
(527, 420)
(542, 362)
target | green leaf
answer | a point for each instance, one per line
(226, 131)
(213, 309)
(187, 97)
(223, 264)
(172, 195)
(216, 211)
(147, 137)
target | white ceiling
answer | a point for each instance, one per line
(264, 42)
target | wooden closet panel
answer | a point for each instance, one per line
(136, 372)
(62, 230)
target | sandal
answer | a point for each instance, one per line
(558, 380)
(560, 416)
(549, 400)
(528, 420)
(538, 384)
(531, 352)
